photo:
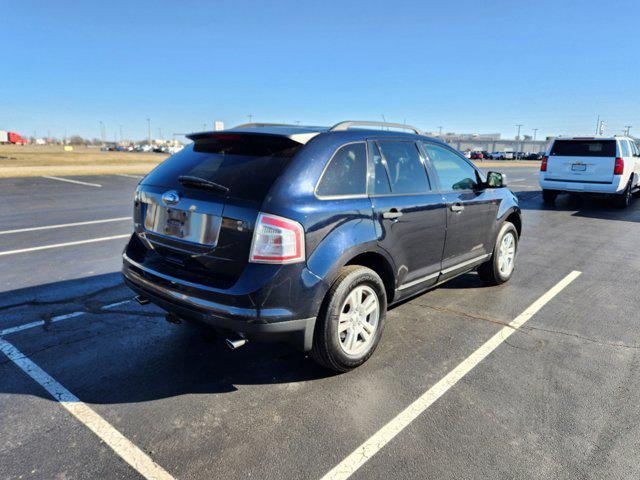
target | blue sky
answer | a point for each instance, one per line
(468, 66)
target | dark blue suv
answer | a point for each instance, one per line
(308, 234)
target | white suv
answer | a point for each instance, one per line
(599, 165)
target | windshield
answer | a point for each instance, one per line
(584, 148)
(247, 165)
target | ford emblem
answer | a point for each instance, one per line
(171, 197)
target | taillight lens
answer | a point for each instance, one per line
(277, 240)
(619, 168)
(543, 165)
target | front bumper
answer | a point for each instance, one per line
(196, 303)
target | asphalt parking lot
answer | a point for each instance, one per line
(558, 398)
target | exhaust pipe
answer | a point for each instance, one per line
(141, 300)
(236, 343)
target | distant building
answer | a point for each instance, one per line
(464, 137)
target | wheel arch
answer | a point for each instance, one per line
(377, 262)
(515, 218)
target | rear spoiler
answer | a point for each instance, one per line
(234, 134)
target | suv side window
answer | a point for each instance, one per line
(379, 182)
(454, 172)
(346, 173)
(407, 173)
(624, 148)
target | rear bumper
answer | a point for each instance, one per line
(607, 188)
(185, 301)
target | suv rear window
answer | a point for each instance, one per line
(246, 164)
(347, 172)
(584, 148)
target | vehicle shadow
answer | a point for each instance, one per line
(586, 207)
(130, 353)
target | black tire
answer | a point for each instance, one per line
(549, 197)
(624, 199)
(327, 350)
(489, 271)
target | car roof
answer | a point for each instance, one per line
(596, 137)
(304, 133)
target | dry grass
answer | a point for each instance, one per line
(35, 160)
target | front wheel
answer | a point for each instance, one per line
(351, 320)
(500, 267)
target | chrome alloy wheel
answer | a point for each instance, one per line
(358, 320)
(507, 254)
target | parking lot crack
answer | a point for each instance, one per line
(530, 327)
(75, 299)
(585, 338)
(466, 314)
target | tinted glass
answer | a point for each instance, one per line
(347, 172)
(584, 148)
(246, 164)
(406, 170)
(624, 145)
(379, 184)
(453, 171)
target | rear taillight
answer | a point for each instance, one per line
(619, 168)
(277, 240)
(543, 165)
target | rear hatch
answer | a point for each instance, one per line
(582, 160)
(196, 211)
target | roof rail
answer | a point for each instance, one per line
(353, 123)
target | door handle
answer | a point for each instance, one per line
(393, 214)
(457, 207)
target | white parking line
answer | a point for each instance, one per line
(129, 452)
(72, 181)
(128, 175)
(114, 305)
(64, 225)
(66, 316)
(67, 244)
(19, 328)
(40, 323)
(383, 436)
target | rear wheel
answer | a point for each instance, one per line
(350, 323)
(549, 197)
(500, 267)
(623, 200)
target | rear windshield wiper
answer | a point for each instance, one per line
(199, 182)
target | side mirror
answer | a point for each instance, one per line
(496, 180)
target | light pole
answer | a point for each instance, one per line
(518, 140)
(439, 132)
(102, 132)
(627, 130)
(149, 131)
(121, 139)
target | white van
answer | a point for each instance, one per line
(599, 165)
